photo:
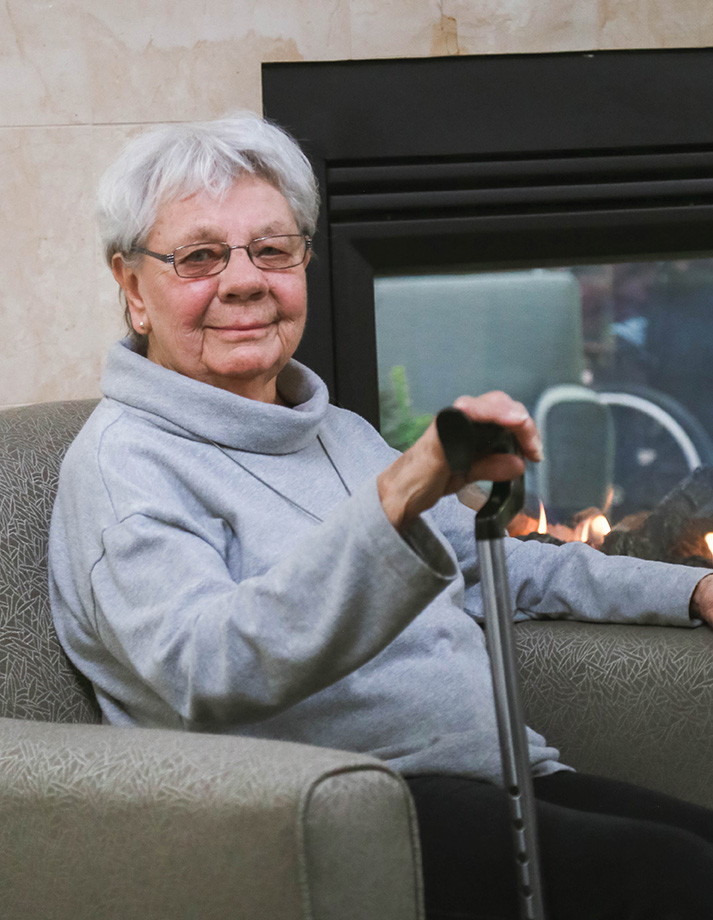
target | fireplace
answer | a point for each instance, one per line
(538, 223)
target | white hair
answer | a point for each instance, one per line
(179, 159)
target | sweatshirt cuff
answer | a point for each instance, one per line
(669, 597)
(419, 551)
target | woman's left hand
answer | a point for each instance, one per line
(702, 600)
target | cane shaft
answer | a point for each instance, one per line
(465, 441)
(511, 725)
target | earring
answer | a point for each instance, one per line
(141, 324)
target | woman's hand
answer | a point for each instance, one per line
(702, 600)
(421, 475)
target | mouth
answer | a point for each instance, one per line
(242, 330)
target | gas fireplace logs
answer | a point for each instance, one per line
(679, 529)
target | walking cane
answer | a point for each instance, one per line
(464, 441)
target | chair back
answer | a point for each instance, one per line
(469, 333)
(37, 680)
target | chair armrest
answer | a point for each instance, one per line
(133, 824)
(629, 702)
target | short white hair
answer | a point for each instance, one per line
(180, 159)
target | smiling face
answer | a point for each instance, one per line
(235, 330)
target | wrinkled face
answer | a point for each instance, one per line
(235, 330)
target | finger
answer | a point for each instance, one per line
(500, 408)
(497, 468)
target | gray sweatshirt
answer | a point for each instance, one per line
(223, 565)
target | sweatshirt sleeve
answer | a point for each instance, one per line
(575, 581)
(214, 649)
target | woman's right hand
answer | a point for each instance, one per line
(421, 475)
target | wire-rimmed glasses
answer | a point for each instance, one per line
(269, 253)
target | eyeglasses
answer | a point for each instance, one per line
(269, 253)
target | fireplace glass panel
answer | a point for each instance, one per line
(615, 361)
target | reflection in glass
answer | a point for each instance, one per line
(615, 360)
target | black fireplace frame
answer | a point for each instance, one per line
(499, 161)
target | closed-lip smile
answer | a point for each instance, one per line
(255, 326)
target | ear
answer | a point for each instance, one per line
(128, 280)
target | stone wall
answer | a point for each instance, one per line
(80, 76)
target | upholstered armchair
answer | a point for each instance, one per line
(124, 824)
(127, 824)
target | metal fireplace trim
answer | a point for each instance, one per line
(496, 161)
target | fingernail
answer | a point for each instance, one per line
(518, 417)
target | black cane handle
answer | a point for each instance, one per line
(464, 441)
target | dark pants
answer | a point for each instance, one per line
(609, 851)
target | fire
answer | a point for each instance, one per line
(542, 523)
(594, 529)
(709, 542)
(591, 528)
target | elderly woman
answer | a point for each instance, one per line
(231, 553)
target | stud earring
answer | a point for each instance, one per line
(141, 324)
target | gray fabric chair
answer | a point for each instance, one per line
(99, 822)
(629, 702)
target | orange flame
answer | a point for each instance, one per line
(597, 528)
(709, 542)
(591, 530)
(542, 523)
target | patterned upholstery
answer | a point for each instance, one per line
(629, 702)
(106, 823)
(36, 679)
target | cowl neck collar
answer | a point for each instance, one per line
(204, 412)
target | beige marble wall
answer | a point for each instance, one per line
(79, 76)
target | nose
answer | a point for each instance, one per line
(240, 279)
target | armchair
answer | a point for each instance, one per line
(100, 822)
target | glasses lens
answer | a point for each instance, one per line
(276, 252)
(200, 259)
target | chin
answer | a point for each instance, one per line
(255, 381)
